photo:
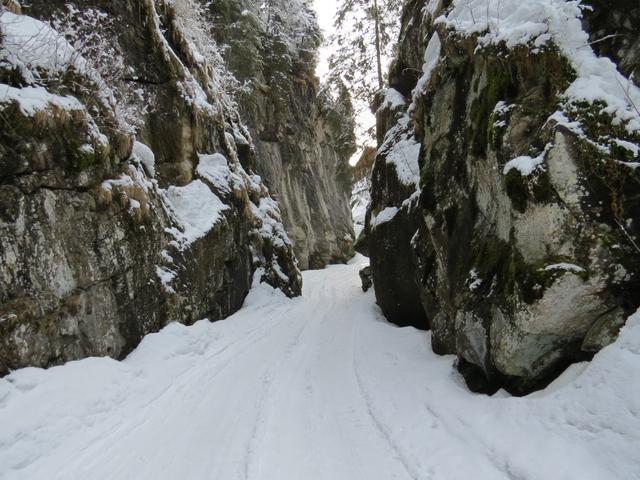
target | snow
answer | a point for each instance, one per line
(166, 276)
(402, 150)
(268, 214)
(146, 157)
(630, 147)
(386, 215)
(631, 165)
(32, 100)
(570, 267)
(431, 59)
(360, 200)
(215, 169)
(196, 209)
(474, 281)
(133, 177)
(315, 388)
(393, 99)
(561, 119)
(431, 7)
(538, 22)
(525, 164)
(32, 44)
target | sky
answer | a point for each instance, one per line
(326, 11)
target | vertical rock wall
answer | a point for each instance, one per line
(303, 138)
(505, 190)
(127, 196)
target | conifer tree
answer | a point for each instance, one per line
(366, 31)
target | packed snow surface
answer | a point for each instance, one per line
(319, 387)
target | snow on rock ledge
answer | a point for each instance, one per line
(196, 209)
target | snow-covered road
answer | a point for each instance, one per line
(320, 387)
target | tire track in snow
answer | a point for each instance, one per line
(145, 414)
(461, 435)
(382, 430)
(252, 459)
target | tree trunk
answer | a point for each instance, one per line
(376, 19)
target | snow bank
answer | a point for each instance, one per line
(320, 387)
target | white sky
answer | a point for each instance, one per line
(326, 11)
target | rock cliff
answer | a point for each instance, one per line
(303, 137)
(504, 213)
(130, 187)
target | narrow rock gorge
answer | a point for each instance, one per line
(180, 293)
(144, 177)
(504, 212)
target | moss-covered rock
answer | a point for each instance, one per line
(519, 273)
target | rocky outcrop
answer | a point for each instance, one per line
(128, 195)
(505, 190)
(303, 137)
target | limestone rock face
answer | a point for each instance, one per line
(126, 201)
(504, 204)
(303, 143)
(303, 168)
